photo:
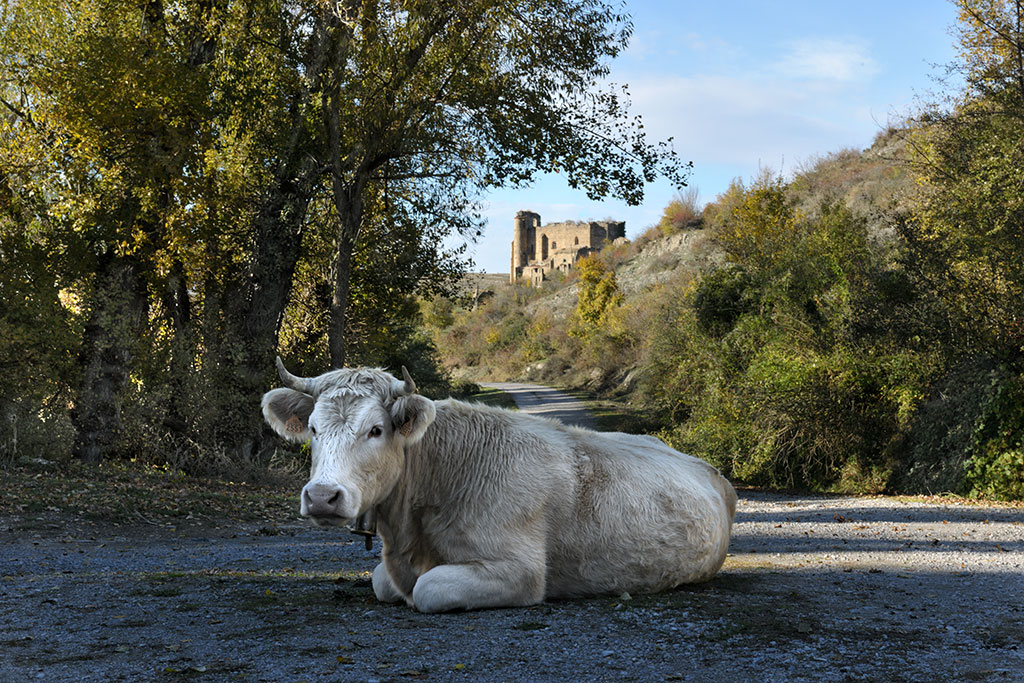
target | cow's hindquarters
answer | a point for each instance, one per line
(645, 518)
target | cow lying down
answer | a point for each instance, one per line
(484, 507)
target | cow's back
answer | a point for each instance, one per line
(481, 475)
(606, 513)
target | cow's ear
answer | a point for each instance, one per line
(287, 412)
(411, 416)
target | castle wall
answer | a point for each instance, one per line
(536, 250)
(606, 231)
(566, 235)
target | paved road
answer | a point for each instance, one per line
(547, 402)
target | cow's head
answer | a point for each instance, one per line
(358, 422)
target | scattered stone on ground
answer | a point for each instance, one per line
(815, 589)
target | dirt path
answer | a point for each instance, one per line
(547, 402)
(816, 589)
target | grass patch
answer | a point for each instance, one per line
(615, 416)
(493, 397)
(128, 493)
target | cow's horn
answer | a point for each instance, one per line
(303, 384)
(410, 386)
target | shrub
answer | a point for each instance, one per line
(721, 298)
(681, 212)
(995, 468)
(646, 237)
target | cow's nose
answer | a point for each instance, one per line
(324, 500)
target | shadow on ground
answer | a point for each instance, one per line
(290, 602)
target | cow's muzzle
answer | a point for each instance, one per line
(325, 502)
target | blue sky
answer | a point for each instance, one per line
(740, 85)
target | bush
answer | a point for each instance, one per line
(995, 468)
(682, 212)
(967, 439)
(598, 295)
(646, 237)
(39, 336)
(721, 298)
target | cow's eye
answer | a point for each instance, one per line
(375, 432)
(312, 430)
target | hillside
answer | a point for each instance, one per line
(871, 183)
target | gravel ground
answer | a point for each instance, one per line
(814, 589)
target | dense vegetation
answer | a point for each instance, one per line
(188, 188)
(859, 327)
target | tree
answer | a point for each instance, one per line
(599, 296)
(966, 238)
(470, 94)
(991, 57)
(105, 115)
(965, 251)
(37, 338)
(188, 158)
(757, 225)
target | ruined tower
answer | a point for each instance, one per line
(524, 233)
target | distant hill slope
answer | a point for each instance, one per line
(482, 282)
(513, 336)
(871, 183)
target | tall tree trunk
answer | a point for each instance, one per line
(119, 297)
(178, 308)
(116, 317)
(347, 192)
(255, 312)
(341, 276)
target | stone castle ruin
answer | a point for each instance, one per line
(538, 251)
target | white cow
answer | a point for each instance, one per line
(483, 507)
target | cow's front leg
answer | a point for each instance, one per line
(383, 587)
(471, 586)
(394, 578)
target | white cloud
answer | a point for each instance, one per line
(730, 118)
(722, 50)
(734, 119)
(830, 60)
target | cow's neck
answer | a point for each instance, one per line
(393, 507)
(400, 513)
(385, 515)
